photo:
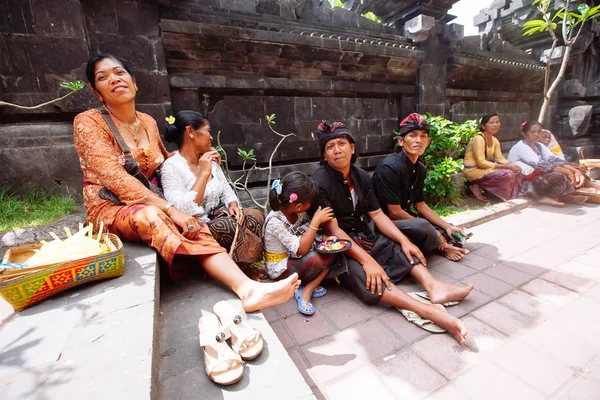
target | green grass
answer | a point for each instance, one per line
(32, 209)
(446, 211)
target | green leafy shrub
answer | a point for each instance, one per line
(443, 157)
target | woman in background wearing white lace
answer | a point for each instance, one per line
(194, 182)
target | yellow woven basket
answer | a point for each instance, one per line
(24, 291)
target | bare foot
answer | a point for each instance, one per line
(260, 295)
(455, 327)
(573, 199)
(452, 253)
(478, 193)
(443, 292)
(550, 202)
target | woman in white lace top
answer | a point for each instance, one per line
(193, 181)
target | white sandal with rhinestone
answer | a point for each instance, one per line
(245, 340)
(221, 363)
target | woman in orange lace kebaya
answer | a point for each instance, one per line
(183, 241)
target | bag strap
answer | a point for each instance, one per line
(136, 171)
(115, 131)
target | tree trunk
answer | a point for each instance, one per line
(554, 86)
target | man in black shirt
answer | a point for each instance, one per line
(376, 261)
(399, 181)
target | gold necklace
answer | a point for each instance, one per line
(132, 132)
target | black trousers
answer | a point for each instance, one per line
(390, 256)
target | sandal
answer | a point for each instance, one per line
(477, 192)
(304, 306)
(319, 291)
(245, 340)
(423, 297)
(416, 319)
(221, 364)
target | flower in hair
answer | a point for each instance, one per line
(276, 186)
(293, 197)
(170, 119)
(523, 124)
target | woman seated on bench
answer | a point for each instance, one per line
(183, 241)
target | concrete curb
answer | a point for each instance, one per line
(489, 213)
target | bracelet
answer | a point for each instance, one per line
(168, 207)
(313, 228)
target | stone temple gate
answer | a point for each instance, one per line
(238, 60)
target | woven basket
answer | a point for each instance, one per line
(24, 291)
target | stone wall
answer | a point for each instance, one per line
(237, 61)
(43, 43)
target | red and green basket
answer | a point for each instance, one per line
(42, 282)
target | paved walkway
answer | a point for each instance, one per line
(535, 316)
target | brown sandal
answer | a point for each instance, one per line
(478, 193)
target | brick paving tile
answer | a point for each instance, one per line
(588, 259)
(572, 244)
(408, 331)
(476, 261)
(474, 245)
(447, 392)
(282, 334)
(270, 314)
(409, 284)
(301, 365)
(592, 369)
(440, 276)
(589, 229)
(491, 382)
(528, 305)
(535, 262)
(572, 350)
(566, 280)
(378, 308)
(582, 270)
(504, 319)
(331, 357)
(334, 293)
(474, 300)
(580, 318)
(408, 376)
(287, 309)
(504, 249)
(344, 313)
(594, 292)
(305, 329)
(580, 389)
(449, 358)
(435, 259)
(543, 372)
(361, 383)
(507, 274)
(454, 270)
(488, 285)
(457, 311)
(372, 339)
(550, 292)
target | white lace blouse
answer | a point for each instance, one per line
(177, 180)
(280, 236)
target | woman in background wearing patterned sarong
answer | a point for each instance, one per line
(182, 240)
(485, 167)
(548, 179)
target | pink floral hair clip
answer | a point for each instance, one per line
(293, 197)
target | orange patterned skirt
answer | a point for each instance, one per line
(149, 224)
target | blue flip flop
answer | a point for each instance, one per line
(319, 291)
(305, 307)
